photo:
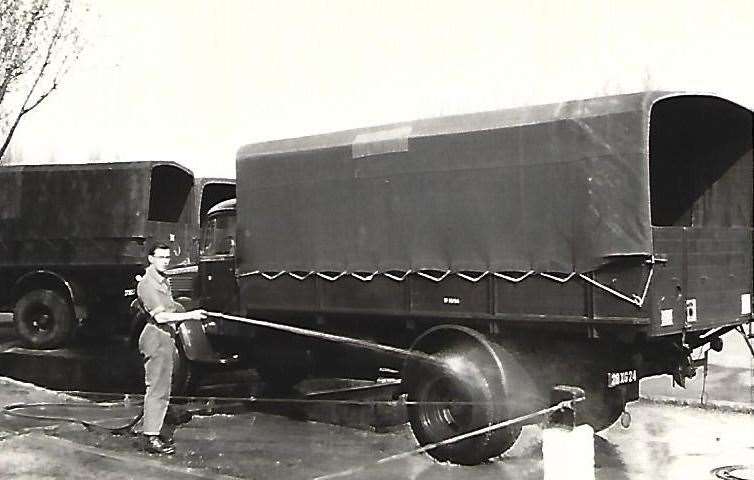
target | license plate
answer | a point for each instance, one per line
(621, 378)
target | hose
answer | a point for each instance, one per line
(15, 410)
(565, 404)
(367, 345)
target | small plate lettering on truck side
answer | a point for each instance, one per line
(691, 310)
(746, 304)
(666, 317)
(620, 378)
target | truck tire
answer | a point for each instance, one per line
(443, 405)
(44, 319)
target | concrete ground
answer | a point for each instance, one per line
(665, 440)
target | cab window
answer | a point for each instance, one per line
(218, 235)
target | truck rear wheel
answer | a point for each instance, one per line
(443, 406)
(44, 319)
(470, 393)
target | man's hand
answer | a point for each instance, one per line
(198, 314)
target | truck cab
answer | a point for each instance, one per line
(218, 289)
(207, 193)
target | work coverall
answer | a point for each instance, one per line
(157, 345)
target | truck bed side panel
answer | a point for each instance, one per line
(719, 274)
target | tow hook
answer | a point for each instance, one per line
(686, 370)
(716, 344)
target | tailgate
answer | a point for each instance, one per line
(707, 280)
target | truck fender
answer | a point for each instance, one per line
(47, 279)
(196, 346)
(443, 336)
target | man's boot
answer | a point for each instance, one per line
(154, 444)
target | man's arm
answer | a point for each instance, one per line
(167, 317)
(156, 307)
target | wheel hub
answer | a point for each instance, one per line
(41, 322)
(448, 405)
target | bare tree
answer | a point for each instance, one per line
(39, 40)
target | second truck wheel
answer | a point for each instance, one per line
(43, 319)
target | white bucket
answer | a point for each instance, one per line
(568, 454)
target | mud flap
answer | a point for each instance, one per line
(196, 345)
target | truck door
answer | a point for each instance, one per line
(217, 266)
(209, 192)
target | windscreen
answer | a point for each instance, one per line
(214, 193)
(218, 235)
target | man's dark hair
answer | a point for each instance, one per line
(157, 246)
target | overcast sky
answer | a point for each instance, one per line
(192, 81)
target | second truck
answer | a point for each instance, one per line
(74, 236)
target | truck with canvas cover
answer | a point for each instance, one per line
(589, 243)
(73, 238)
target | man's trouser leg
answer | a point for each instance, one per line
(158, 349)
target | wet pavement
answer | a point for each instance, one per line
(664, 442)
(321, 440)
(673, 442)
(729, 380)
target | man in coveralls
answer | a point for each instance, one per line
(157, 345)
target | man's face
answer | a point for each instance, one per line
(160, 259)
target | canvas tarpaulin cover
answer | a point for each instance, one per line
(553, 188)
(73, 201)
(91, 213)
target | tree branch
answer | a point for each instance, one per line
(17, 50)
(26, 110)
(18, 55)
